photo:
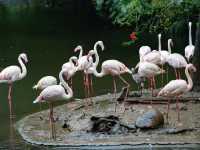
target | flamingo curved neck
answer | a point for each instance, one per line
(81, 53)
(96, 55)
(23, 67)
(98, 74)
(189, 79)
(66, 86)
(190, 34)
(159, 43)
(169, 47)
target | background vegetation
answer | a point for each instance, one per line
(150, 15)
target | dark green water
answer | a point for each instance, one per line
(49, 39)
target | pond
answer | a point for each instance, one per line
(49, 40)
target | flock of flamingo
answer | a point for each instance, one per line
(151, 64)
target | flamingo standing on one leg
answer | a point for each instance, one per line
(176, 88)
(176, 60)
(70, 68)
(55, 93)
(14, 73)
(189, 49)
(88, 71)
(113, 68)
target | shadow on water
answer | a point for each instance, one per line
(49, 37)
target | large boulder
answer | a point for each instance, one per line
(150, 120)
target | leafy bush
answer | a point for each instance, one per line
(149, 15)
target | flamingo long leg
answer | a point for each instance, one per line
(177, 108)
(154, 83)
(10, 100)
(168, 107)
(176, 73)
(91, 85)
(52, 125)
(115, 91)
(162, 82)
(179, 74)
(127, 85)
(167, 71)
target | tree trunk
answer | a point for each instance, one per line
(196, 59)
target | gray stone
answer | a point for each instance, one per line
(150, 120)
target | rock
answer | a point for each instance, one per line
(109, 125)
(150, 120)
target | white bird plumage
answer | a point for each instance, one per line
(189, 49)
(44, 82)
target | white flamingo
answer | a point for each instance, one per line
(149, 70)
(176, 60)
(189, 49)
(14, 73)
(44, 82)
(55, 93)
(144, 50)
(176, 88)
(89, 71)
(70, 68)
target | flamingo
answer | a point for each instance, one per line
(14, 73)
(70, 68)
(84, 63)
(114, 68)
(149, 70)
(88, 71)
(176, 60)
(163, 54)
(144, 50)
(44, 82)
(176, 88)
(55, 93)
(189, 49)
(138, 79)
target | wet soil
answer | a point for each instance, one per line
(72, 122)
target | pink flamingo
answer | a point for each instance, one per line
(83, 63)
(114, 68)
(55, 93)
(44, 82)
(189, 49)
(70, 68)
(14, 73)
(176, 88)
(144, 50)
(89, 71)
(176, 60)
(149, 70)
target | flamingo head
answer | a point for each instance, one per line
(190, 23)
(100, 43)
(171, 42)
(159, 35)
(74, 59)
(191, 67)
(24, 57)
(78, 48)
(90, 54)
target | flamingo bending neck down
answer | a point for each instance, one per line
(176, 88)
(89, 71)
(189, 49)
(71, 67)
(114, 68)
(55, 93)
(14, 73)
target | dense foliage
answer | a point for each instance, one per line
(149, 15)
